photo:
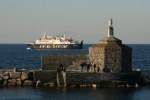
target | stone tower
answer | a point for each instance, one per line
(110, 55)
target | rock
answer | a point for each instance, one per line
(38, 83)
(12, 82)
(5, 82)
(27, 83)
(6, 77)
(24, 76)
(5, 73)
(18, 82)
(94, 85)
(45, 84)
(1, 80)
(1, 74)
(49, 84)
(30, 76)
(52, 84)
(15, 75)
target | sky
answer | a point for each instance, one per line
(22, 21)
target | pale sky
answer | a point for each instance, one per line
(22, 21)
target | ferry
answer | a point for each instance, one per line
(55, 42)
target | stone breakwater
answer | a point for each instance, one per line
(23, 77)
(47, 78)
(11, 77)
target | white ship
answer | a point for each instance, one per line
(62, 42)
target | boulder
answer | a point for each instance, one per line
(5, 73)
(12, 82)
(5, 82)
(18, 82)
(52, 84)
(24, 76)
(49, 84)
(27, 83)
(38, 83)
(6, 77)
(1, 80)
(1, 74)
(15, 75)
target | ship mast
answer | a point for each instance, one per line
(45, 35)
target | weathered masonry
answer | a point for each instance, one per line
(110, 55)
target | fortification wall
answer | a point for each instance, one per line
(52, 62)
(40, 78)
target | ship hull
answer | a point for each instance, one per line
(55, 46)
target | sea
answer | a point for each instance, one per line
(17, 56)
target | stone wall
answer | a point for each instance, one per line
(96, 56)
(126, 58)
(111, 56)
(107, 57)
(52, 62)
(100, 79)
(13, 78)
(45, 76)
(39, 78)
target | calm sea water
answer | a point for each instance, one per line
(74, 94)
(16, 55)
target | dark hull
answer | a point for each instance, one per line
(55, 46)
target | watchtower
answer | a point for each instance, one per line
(110, 55)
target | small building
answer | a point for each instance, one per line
(110, 55)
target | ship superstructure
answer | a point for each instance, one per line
(61, 41)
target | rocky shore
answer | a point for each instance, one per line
(11, 77)
(45, 78)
